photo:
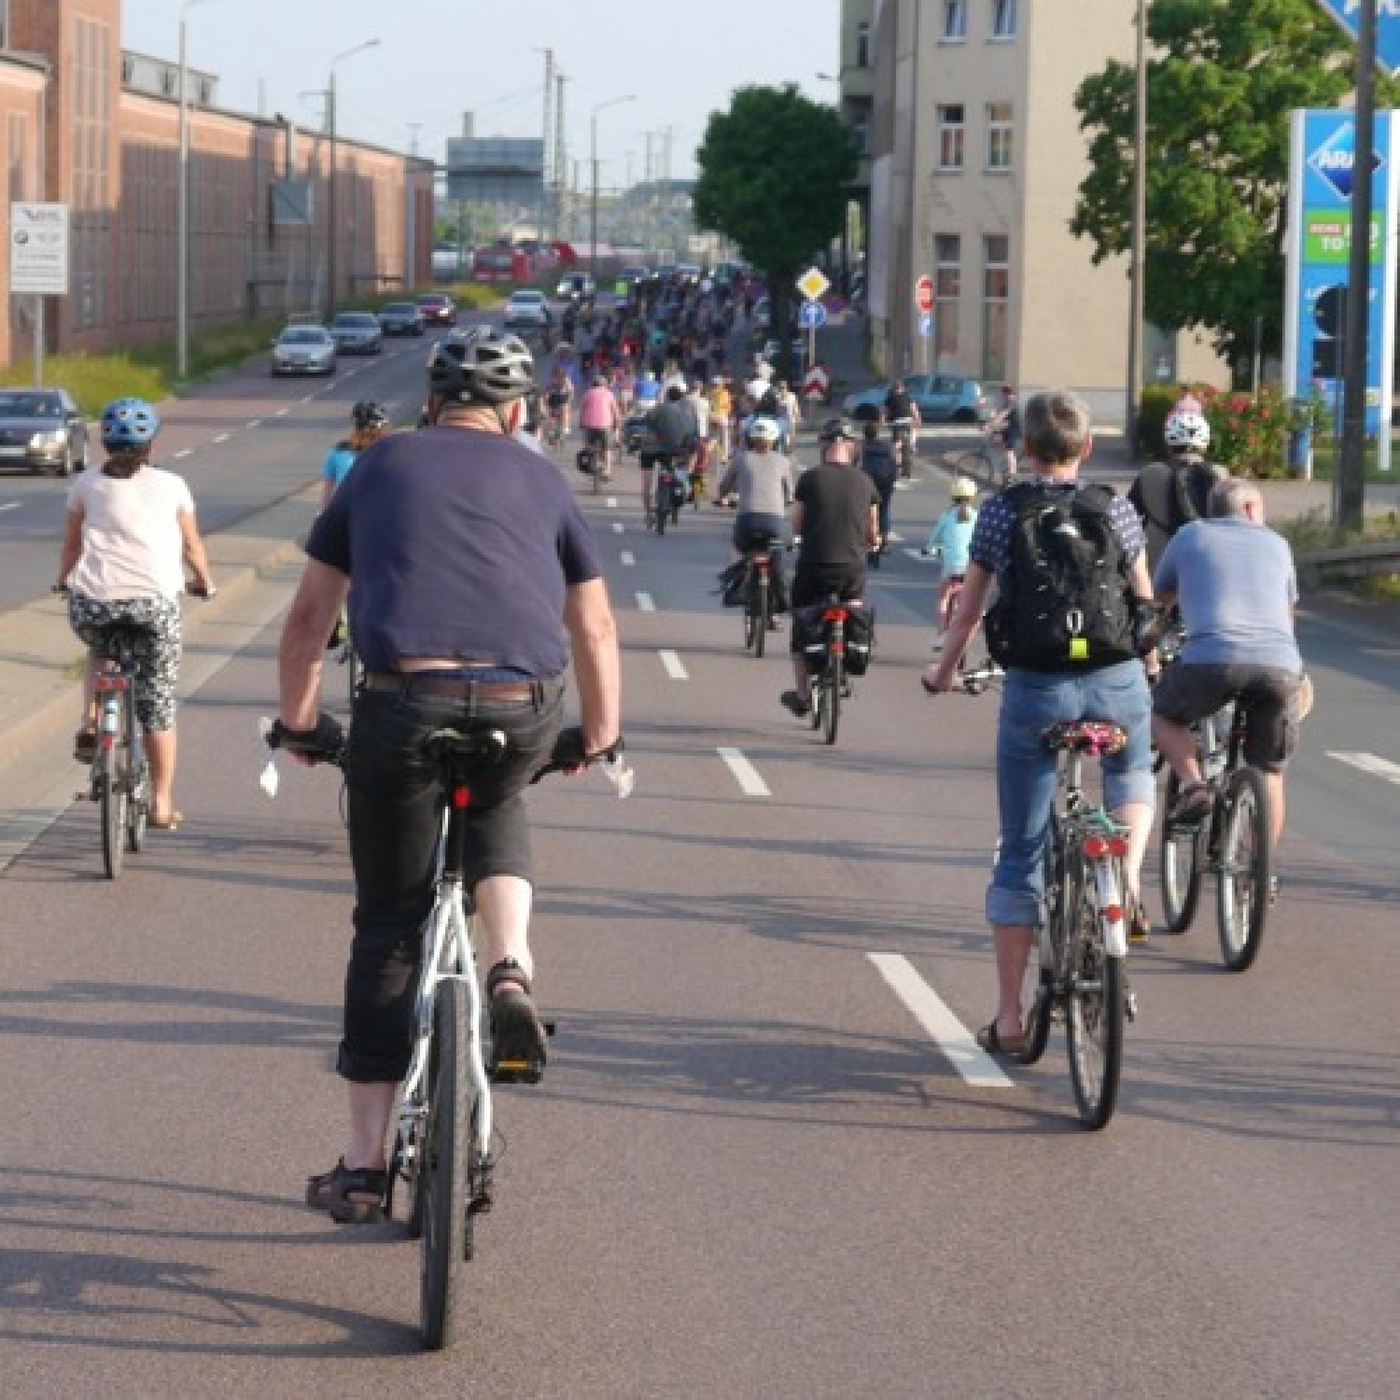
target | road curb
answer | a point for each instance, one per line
(39, 683)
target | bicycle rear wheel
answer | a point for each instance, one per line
(1182, 850)
(1094, 1009)
(112, 797)
(1246, 868)
(442, 1183)
(760, 621)
(831, 716)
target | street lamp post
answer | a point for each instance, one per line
(593, 160)
(331, 212)
(182, 216)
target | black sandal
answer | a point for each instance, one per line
(331, 1191)
(1192, 804)
(517, 1037)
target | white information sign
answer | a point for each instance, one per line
(38, 249)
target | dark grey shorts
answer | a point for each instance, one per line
(1269, 695)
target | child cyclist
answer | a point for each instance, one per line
(949, 540)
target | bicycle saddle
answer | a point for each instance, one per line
(1096, 737)
(479, 746)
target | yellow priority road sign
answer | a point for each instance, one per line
(813, 284)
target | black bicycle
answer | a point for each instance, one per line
(761, 565)
(1232, 839)
(837, 646)
(671, 493)
(121, 771)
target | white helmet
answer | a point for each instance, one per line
(1186, 432)
(763, 430)
(963, 489)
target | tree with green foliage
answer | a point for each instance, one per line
(774, 175)
(1222, 79)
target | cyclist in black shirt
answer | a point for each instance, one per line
(836, 514)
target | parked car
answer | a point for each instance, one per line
(357, 333)
(527, 310)
(303, 349)
(940, 398)
(437, 309)
(42, 430)
(400, 318)
(576, 286)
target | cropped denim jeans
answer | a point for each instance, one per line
(1031, 702)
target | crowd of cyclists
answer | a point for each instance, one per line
(453, 620)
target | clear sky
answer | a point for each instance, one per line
(439, 58)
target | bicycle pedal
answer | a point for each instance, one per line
(549, 1027)
(516, 1072)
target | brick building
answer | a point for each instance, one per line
(112, 123)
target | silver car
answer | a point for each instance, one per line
(303, 350)
(41, 430)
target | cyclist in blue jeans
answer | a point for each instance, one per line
(1057, 440)
(471, 575)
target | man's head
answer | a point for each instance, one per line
(492, 372)
(838, 441)
(1187, 434)
(1056, 428)
(1234, 498)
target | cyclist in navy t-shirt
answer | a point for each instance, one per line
(469, 571)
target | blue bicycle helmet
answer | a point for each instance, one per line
(129, 423)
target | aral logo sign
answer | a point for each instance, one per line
(1335, 160)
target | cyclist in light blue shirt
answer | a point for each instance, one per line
(370, 423)
(951, 540)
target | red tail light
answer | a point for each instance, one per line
(1097, 847)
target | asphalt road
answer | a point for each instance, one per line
(749, 1170)
(240, 442)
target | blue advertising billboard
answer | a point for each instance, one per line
(1322, 168)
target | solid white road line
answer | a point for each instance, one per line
(946, 1031)
(645, 603)
(628, 558)
(281, 413)
(223, 437)
(674, 666)
(750, 784)
(1369, 763)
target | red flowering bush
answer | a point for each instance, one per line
(1248, 432)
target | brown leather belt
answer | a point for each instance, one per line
(452, 687)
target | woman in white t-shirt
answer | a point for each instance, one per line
(130, 532)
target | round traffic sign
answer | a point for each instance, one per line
(811, 315)
(923, 293)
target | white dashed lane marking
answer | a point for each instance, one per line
(745, 774)
(945, 1030)
(612, 502)
(255, 423)
(618, 527)
(675, 668)
(223, 437)
(188, 452)
(1369, 763)
(645, 603)
(628, 558)
(11, 505)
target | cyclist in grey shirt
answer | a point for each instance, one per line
(763, 478)
(1233, 580)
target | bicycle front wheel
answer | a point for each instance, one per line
(1246, 868)
(1038, 987)
(112, 797)
(1094, 1010)
(442, 1169)
(1182, 849)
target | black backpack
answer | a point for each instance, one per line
(1192, 484)
(1063, 600)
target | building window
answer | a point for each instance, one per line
(1000, 143)
(128, 69)
(860, 132)
(951, 127)
(1004, 19)
(954, 20)
(862, 46)
(206, 92)
(167, 82)
(996, 289)
(947, 282)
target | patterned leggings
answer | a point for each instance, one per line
(157, 654)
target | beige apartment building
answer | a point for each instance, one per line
(975, 163)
